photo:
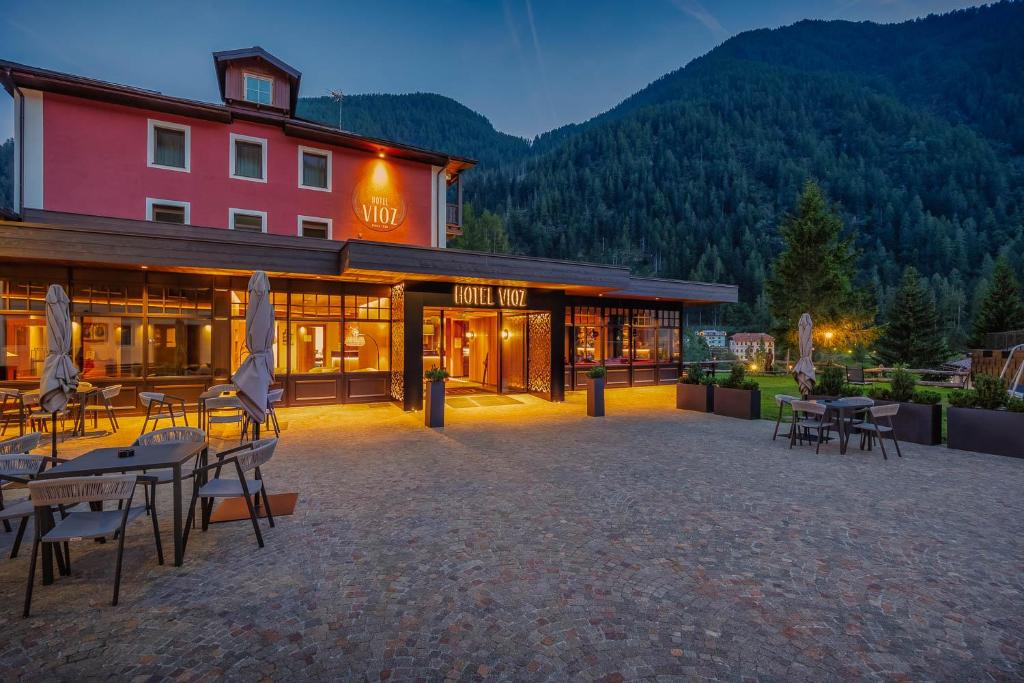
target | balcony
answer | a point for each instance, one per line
(453, 220)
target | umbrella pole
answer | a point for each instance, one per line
(53, 434)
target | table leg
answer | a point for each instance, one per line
(44, 522)
(844, 436)
(177, 516)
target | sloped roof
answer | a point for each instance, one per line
(222, 58)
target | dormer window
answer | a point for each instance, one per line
(258, 89)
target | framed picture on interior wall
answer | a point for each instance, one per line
(94, 332)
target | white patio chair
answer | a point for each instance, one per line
(103, 404)
(808, 415)
(782, 400)
(165, 407)
(171, 435)
(216, 391)
(880, 425)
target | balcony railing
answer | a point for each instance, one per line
(454, 215)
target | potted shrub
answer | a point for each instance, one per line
(433, 413)
(595, 391)
(738, 396)
(986, 419)
(920, 417)
(695, 391)
(830, 383)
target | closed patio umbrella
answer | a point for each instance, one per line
(254, 376)
(804, 370)
(59, 378)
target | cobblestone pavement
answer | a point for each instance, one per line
(530, 542)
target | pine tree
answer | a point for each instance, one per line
(815, 272)
(481, 232)
(913, 334)
(1001, 308)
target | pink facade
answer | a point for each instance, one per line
(95, 162)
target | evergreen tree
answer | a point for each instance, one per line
(481, 232)
(1001, 308)
(814, 274)
(912, 333)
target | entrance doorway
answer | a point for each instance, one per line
(483, 350)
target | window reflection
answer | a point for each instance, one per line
(644, 331)
(367, 346)
(239, 351)
(110, 346)
(589, 335)
(22, 345)
(617, 345)
(179, 346)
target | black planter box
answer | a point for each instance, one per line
(433, 410)
(742, 403)
(986, 431)
(595, 397)
(699, 397)
(917, 422)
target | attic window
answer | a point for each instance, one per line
(258, 89)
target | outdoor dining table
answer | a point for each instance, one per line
(106, 461)
(846, 410)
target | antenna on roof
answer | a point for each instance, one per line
(338, 96)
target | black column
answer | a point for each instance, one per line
(558, 348)
(413, 370)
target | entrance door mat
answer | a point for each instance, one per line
(234, 509)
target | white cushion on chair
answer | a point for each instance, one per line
(91, 524)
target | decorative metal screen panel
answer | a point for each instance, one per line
(398, 342)
(538, 364)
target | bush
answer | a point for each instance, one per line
(749, 385)
(597, 372)
(831, 381)
(1015, 405)
(990, 392)
(963, 398)
(926, 397)
(879, 393)
(903, 383)
(436, 374)
(709, 380)
(850, 390)
(694, 375)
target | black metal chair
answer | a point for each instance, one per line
(171, 435)
(807, 416)
(878, 427)
(76, 525)
(162, 407)
(102, 403)
(250, 456)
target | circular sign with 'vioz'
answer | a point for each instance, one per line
(376, 203)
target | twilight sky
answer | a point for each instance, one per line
(528, 65)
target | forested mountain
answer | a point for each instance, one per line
(915, 130)
(422, 119)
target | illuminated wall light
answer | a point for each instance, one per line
(379, 178)
(505, 334)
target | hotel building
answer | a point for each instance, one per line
(152, 211)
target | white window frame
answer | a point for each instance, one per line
(328, 221)
(246, 212)
(151, 201)
(152, 125)
(238, 137)
(262, 77)
(330, 163)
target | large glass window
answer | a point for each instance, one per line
(108, 346)
(645, 333)
(314, 169)
(314, 339)
(180, 330)
(239, 300)
(22, 346)
(617, 340)
(589, 336)
(669, 349)
(367, 346)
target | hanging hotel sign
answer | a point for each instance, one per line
(377, 205)
(486, 295)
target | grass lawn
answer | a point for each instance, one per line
(785, 384)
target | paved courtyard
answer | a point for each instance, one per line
(529, 542)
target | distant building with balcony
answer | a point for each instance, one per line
(716, 339)
(744, 344)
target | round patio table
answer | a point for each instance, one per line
(846, 410)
